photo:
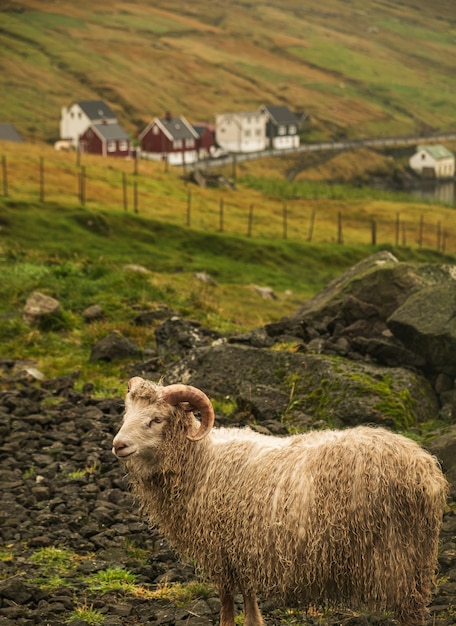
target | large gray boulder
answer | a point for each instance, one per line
(426, 324)
(278, 384)
(379, 282)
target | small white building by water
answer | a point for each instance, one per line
(434, 161)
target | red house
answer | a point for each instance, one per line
(105, 139)
(172, 139)
(206, 140)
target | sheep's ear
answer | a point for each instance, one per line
(134, 382)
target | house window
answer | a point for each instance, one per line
(155, 130)
(123, 146)
(292, 130)
(423, 156)
(111, 146)
(247, 133)
(282, 130)
(258, 132)
(177, 144)
(190, 143)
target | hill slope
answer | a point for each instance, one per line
(385, 69)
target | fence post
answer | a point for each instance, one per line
(374, 232)
(420, 232)
(124, 189)
(41, 179)
(221, 215)
(82, 185)
(189, 206)
(340, 237)
(5, 176)
(311, 226)
(249, 227)
(398, 227)
(135, 196)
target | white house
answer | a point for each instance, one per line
(434, 161)
(241, 132)
(77, 118)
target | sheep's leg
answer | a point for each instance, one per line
(252, 614)
(227, 609)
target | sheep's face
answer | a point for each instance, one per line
(144, 422)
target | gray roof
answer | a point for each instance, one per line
(110, 132)
(96, 109)
(9, 133)
(178, 128)
(280, 114)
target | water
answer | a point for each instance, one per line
(444, 191)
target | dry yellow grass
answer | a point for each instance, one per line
(163, 195)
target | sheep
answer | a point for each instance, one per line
(329, 517)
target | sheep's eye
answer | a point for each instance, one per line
(154, 420)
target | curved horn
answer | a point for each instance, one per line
(174, 394)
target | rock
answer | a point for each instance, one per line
(426, 325)
(275, 383)
(177, 336)
(40, 307)
(444, 448)
(92, 313)
(114, 346)
(265, 292)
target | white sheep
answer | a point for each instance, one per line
(349, 517)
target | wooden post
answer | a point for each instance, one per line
(41, 179)
(398, 228)
(420, 232)
(221, 214)
(340, 237)
(285, 224)
(374, 232)
(311, 226)
(135, 196)
(189, 207)
(82, 185)
(444, 238)
(124, 189)
(135, 162)
(250, 222)
(5, 176)
(233, 167)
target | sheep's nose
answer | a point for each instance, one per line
(118, 447)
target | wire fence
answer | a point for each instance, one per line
(297, 220)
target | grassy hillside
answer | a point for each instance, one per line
(80, 254)
(359, 69)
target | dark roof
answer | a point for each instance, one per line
(9, 133)
(280, 114)
(110, 132)
(96, 109)
(200, 129)
(178, 128)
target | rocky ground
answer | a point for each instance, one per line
(70, 531)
